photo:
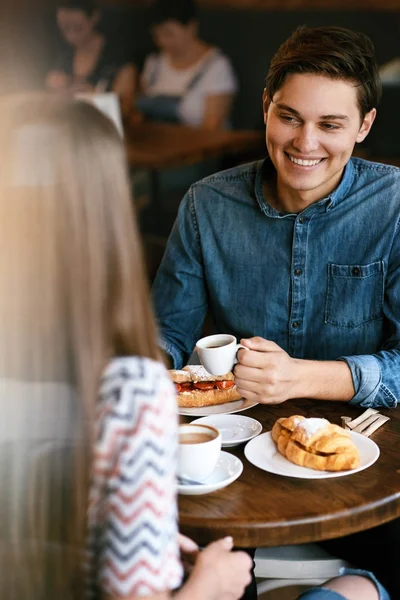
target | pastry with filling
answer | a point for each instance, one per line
(197, 388)
(283, 429)
(318, 444)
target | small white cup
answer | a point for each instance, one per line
(199, 450)
(217, 353)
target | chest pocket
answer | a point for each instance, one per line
(354, 294)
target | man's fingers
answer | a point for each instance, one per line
(247, 385)
(258, 358)
(248, 372)
(260, 344)
(252, 396)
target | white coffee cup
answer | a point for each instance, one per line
(217, 353)
(199, 450)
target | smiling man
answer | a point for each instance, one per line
(312, 126)
(298, 255)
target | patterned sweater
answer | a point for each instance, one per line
(133, 546)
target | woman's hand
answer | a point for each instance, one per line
(81, 86)
(219, 573)
(57, 80)
(189, 552)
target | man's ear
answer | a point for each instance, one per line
(266, 103)
(366, 125)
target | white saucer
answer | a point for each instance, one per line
(219, 409)
(228, 469)
(263, 453)
(235, 429)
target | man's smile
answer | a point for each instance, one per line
(302, 162)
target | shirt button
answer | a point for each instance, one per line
(298, 272)
(301, 220)
(295, 324)
(356, 271)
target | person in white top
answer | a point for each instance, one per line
(188, 81)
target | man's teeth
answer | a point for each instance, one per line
(304, 163)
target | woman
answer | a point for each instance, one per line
(92, 63)
(188, 81)
(80, 370)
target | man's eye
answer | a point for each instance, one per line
(330, 126)
(288, 119)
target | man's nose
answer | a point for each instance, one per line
(306, 139)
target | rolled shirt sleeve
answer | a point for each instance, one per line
(375, 385)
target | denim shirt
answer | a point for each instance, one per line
(323, 284)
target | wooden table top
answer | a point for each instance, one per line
(263, 509)
(162, 145)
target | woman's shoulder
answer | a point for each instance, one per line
(217, 55)
(134, 377)
(132, 369)
(135, 390)
(217, 72)
(217, 64)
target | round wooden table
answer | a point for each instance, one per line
(263, 509)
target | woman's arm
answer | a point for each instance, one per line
(218, 573)
(125, 86)
(216, 111)
(133, 546)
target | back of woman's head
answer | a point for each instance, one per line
(74, 294)
(72, 220)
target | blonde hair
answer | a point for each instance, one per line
(73, 289)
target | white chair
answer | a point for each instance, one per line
(303, 564)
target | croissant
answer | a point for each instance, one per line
(283, 429)
(317, 444)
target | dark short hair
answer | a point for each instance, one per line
(183, 11)
(333, 52)
(86, 6)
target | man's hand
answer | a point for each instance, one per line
(265, 373)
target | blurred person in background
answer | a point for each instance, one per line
(87, 408)
(91, 63)
(188, 80)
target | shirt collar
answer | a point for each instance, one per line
(266, 168)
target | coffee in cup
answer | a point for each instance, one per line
(199, 450)
(217, 353)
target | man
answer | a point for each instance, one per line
(298, 255)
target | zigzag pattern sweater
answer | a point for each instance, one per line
(132, 511)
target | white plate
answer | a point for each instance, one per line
(228, 468)
(219, 409)
(235, 429)
(263, 453)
